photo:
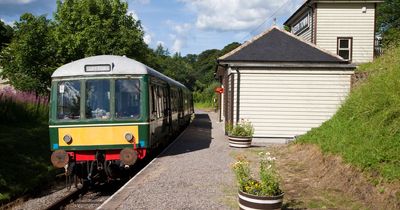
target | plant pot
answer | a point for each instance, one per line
(247, 201)
(240, 141)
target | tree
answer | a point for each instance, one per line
(6, 33)
(29, 60)
(389, 21)
(95, 27)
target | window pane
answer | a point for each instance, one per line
(68, 100)
(344, 43)
(98, 99)
(344, 54)
(127, 98)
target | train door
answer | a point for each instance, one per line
(153, 113)
(180, 109)
(168, 108)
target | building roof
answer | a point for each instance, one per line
(276, 45)
(119, 65)
(304, 7)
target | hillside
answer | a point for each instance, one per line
(365, 131)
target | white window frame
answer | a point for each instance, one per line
(349, 48)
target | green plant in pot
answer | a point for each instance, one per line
(241, 134)
(262, 193)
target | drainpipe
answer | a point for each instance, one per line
(237, 95)
(220, 95)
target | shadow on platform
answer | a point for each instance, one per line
(196, 137)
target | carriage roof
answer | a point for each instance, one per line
(118, 65)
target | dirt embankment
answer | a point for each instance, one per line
(314, 180)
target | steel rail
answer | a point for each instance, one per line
(69, 198)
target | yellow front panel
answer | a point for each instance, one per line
(91, 136)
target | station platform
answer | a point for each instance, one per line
(192, 173)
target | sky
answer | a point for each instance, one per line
(184, 26)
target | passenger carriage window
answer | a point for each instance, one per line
(153, 102)
(160, 104)
(127, 98)
(68, 100)
(98, 99)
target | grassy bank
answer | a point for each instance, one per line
(24, 141)
(366, 129)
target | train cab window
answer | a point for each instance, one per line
(98, 99)
(68, 100)
(127, 98)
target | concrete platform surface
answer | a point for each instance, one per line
(191, 174)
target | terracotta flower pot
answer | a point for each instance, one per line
(247, 201)
(239, 141)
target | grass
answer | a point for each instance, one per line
(24, 151)
(366, 129)
(295, 174)
(204, 105)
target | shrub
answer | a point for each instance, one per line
(268, 185)
(22, 107)
(244, 128)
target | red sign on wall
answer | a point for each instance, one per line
(219, 90)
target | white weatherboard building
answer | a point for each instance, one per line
(287, 83)
(285, 86)
(344, 27)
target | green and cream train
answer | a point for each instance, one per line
(108, 111)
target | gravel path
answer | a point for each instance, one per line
(192, 174)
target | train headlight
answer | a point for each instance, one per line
(67, 138)
(129, 137)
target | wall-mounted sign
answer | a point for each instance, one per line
(98, 68)
(219, 90)
(302, 25)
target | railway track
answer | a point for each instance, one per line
(92, 197)
(69, 198)
(88, 197)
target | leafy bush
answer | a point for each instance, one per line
(243, 129)
(268, 185)
(22, 107)
(25, 143)
(207, 96)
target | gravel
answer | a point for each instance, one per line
(192, 174)
(45, 200)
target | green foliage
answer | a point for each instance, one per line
(388, 21)
(243, 128)
(268, 185)
(391, 38)
(12, 111)
(25, 164)
(29, 59)
(95, 27)
(366, 129)
(6, 33)
(208, 94)
(24, 151)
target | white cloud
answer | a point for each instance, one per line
(235, 15)
(10, 23)
(177, 45)
(133, 14)
(147, 38)
(181, 29)
(180, 35)
(161, 43)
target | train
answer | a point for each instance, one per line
(107, 112)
